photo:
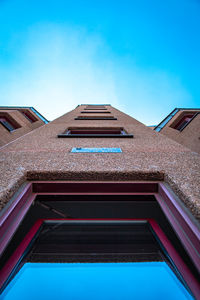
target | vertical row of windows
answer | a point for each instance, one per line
(95, 132)
(95, 109)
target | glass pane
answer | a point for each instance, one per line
(96, 281)
(96, 260)
(7, 124)
(97, 150)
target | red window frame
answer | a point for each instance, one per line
(183, 269)
(95, 107)
(185, 229)
(95, 118)
(95, 132)
(95, 112)
(28, 116)
(183, 122)
(7, 124)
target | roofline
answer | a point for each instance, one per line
(28, 107)
(181, 108)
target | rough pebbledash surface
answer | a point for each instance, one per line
(41, 155)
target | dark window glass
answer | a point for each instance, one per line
(29, 116)
(95, 132)
(183, 122)
(5, 122)
(95, 118)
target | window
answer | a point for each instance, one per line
(7, 124)
(95, 132)
(95, 118)
(98, 222)
(95, 112)
(89, 108)
(182, 123)
(136, 246)
(96, 107)
(28, 116)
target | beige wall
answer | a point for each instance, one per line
(189, 137)
(41, 155)
(24, 125)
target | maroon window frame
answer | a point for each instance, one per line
(8, 124)
(100, 131)
(95, 132)
(182, 224)
(95, 107)
(95, 118)
(183, 122)
(95, 112)
(183, 269)
(28, 116)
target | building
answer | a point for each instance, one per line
(17, 121)
(182, 125)
(96, 185)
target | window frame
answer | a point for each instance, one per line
(95, 112)
(102, 132)
(8, 124)
(29, 116)
(111, 118)
(5, 122)
(8, 271)
(180, 220)
(182, 121)
(89, 107)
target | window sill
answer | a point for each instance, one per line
(95, 135)
(95, 118)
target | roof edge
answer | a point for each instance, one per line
(28, 107)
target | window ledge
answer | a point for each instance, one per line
(95, 135)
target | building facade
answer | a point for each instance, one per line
(182, 125)
(17, 121)
(119, 191)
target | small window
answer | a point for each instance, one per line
(28, 116)
(88, 108)
(95, 132)
(95, 107)
(95, 118)
(182, 123)
(95, 112)
(7, 124)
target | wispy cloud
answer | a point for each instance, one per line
(56, 67)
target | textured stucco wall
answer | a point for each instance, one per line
(25, 125)
(41, 155)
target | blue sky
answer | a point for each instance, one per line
(141, 56)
